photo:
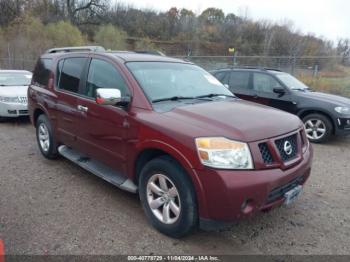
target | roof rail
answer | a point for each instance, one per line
(75, 49)
(150, 52)
(249, 67)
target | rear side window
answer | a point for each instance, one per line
(42, 71)
(239, 80)
(69, 72)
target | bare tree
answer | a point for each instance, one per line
(86, 11)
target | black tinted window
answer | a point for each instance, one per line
(222, 77)
(239, 80)
(264, 83)
(42, 71)
(104, 75)
(70, 71)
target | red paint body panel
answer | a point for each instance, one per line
(117, 136)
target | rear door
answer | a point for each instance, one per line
(103, 128)
(263, 86)
(68, 82)
(240, 84)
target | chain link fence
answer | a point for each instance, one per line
(307, 66)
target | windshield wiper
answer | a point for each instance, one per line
(173, 98)
(213, 95)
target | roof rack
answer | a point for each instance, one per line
(75, 49)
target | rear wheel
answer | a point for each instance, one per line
(318, 128)
(45, 139)
(168, 197)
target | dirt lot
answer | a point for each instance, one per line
(54, 207)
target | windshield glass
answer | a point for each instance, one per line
(162, 80)
(291, 82)
(15, 79)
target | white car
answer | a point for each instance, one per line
(13, 93)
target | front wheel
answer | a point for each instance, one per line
(168, 197)
(45, 139)
(318, 128)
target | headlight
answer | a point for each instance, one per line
(219, 152)
(7, 99)
(342, 110)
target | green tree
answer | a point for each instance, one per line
(64, 34)
(145, 44)
(111, 37)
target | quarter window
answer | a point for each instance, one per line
(69, 73)
(104, 75)
(42, 71)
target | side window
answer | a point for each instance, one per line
(42, 71)
(239, 80)
(69, 73)
(104, 75)
(264, 83)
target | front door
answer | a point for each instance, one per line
(263, 93)
(103, 128)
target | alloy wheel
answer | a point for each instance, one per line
(163, 199)
(315, 129)
(44, 138)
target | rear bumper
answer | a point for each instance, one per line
(13, 110)
(233, 195)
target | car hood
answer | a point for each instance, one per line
(13, 91)
(324, 97)
(236, 119)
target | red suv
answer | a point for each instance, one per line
(169, 130)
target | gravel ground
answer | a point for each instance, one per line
(55, 207)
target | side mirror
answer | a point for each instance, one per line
(279, 91)
(108, 96)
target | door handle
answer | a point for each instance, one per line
(82, 108)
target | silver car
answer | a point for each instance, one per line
(13, 93)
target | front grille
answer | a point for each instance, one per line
(23, 99)
(23, 112)
(279, 192)
(265, 153)
(292, 146)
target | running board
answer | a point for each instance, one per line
(99, 169)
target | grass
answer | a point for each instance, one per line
(333, 82)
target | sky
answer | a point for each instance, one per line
(323, 18)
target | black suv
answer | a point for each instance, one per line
(323, 114)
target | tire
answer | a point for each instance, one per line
(166, 169)
(316, 122)
(45, 139)
(2, 119)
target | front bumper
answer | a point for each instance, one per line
(13, 109)
(343, 126)
(233, 195)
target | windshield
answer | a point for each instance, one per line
(15, 78)
(291, 82)
(163, 80)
